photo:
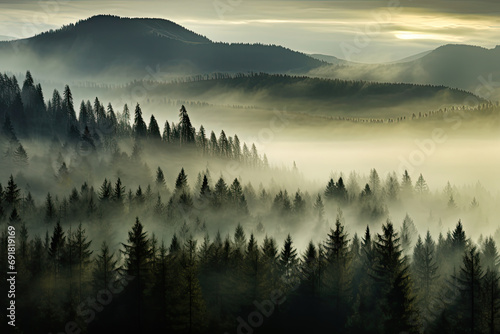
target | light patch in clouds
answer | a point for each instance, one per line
(415, 35)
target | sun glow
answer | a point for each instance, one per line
(425, 36)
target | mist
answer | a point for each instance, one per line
(152, 180)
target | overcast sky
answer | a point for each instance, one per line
(368, 31)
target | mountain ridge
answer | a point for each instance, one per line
(125, 48)
(460, 66)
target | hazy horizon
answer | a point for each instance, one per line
(363, 31)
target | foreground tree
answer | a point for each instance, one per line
(137, 264)
(391, 274)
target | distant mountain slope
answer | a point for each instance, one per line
(411, 58)
(309, 95)
(6, 38)
(329, 59)
(127, 48)
(461, 66)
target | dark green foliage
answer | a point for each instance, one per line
(140, 128)
(105, 192)
(56, 251)
(50, 209)
(424, 269)
(11, 194)
(138, 256)
(154, 129)
(468, 283)
(187, 131)
(220, 194)
(337, 278)
(160, 179)
(391, 273)
(181, 182)
(105, 270)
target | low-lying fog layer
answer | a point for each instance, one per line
(456, 160)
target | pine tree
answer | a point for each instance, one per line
(255, 160)
(56, 250)
(140, 128)
(338, 276)
(68, 107)
(82, 252)
(469, 313)
(187, 131)
(458, 242)
(252, 270)
(288, 261)
(394, 283)
(374, 182)
(14, 218)
(193, 307)
(220, 194)
(118, 192)
(213, 145)
(330, 190)
(421, 187)
(236, 148)
(181, 185)
(407, 233)
(11, 195)
(105, 192)
(111, 121)
(205, 191)
(490, 298)
(124, 122)
(489, 254)
(271, 272)
(105, 270)
(320, 208)
(240, 239)
(341, 191)
(309, 270)
(160, 179)
(167, 133)
(20, 157)
(299, 204)
(50, 209)
(392, 187)
(424, 269)
(202, 140)
(406, 185)
(237, 198)
(154, 129)
(137, 264)
(83, 117)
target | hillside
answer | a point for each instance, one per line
(111, 48)
(308, 95)
(459, 66)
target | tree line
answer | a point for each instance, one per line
(367, 284)
(25, 115)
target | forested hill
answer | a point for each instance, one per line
(125, 48)
(325, 96)
(461, 66)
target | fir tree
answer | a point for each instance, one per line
(154, 129)
(140, 128)
(137, 264)
(104, 273)
(394, 283)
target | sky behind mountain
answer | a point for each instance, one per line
(366, 31)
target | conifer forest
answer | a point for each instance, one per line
(153, 180)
